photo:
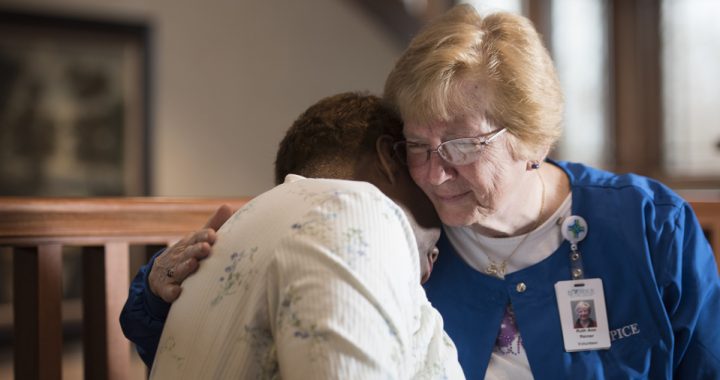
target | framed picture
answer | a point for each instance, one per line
(74, 108)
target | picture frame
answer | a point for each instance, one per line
(74, 106)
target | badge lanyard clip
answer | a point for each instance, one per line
(574, 229)
(581, 301)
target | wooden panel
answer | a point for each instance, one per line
(38, 327)
(540, 13)
(635, 86)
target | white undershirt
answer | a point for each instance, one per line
(509, 361)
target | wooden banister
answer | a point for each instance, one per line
(26, 221)
(36, 229)
(708, 214)
(706, 204)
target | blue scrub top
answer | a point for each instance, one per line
(659, 277)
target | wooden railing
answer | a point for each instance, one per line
(709, 215)
(36, 230)
(706, 204)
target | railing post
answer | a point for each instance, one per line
(106, 283)
(37, 298)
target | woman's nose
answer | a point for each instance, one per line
(439, 171)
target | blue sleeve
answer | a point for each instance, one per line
(144, 314)
(691, 292)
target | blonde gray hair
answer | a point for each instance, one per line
(582, 305)
(496, 65)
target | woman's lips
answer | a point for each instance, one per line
(451, 197)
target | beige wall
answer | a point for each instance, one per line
(230, 76)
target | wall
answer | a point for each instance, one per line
(229, 77)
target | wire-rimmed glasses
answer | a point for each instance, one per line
(460, 151)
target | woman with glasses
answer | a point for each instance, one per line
(526, 237)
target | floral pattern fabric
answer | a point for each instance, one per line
(315, 279)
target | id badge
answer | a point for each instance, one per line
(581, 304)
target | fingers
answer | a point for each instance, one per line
(170, 292)
(174, 265)
(179, 261)
(159, 279)
(181, 271)
(222, 214)
(198, 237)
(165, 280)
(198, 251)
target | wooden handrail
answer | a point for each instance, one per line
(28, 221)
(36, 229)
(708, 213)
(706, 204)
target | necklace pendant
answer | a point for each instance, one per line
(491, 269)
(495, 270)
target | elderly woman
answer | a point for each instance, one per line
(583, 311)
(482, 107)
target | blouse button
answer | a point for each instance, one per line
(521, 287)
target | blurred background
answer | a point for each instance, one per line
(190, 98)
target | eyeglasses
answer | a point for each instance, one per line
(455, 152)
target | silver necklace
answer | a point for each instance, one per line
(498, 270)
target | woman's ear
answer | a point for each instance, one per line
(387, 164)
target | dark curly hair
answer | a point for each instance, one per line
(336, 129)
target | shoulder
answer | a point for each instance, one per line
(623, 189)
(630, 204)
(351, 231)
(342, 204)
(308, 187)
(298, 195)
(364, 197)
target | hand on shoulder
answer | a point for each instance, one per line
(182, 259)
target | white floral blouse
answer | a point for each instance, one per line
(315, 279)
